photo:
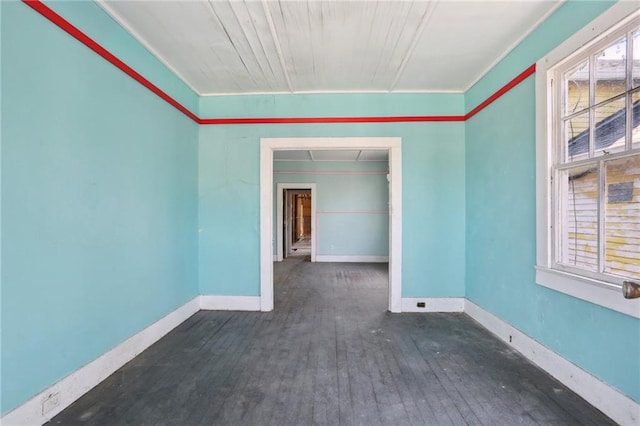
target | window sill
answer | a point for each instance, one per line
(594, 291)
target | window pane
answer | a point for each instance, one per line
(611, 120)
(636, 59)
(576, 135)
(578, 219)
(576, 83)
(611, 67)
(622, 217)
(635, 129)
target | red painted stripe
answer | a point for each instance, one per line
(48, 13)
(504, 89)
(328, 120)
(65, 25)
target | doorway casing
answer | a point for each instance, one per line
(391, 144)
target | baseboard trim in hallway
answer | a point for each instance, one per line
(617, 406)
(229, 303)
(81, 381)
(433, 304)
(352, 259)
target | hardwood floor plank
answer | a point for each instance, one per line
(329, 354)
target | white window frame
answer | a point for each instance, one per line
(565, 280)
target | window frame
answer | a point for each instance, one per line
(600, 289)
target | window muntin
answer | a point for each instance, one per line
(596, 166)
(636, 59)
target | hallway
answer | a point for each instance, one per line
(330, 354)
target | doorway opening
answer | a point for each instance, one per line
(295, 222)
(391, 145)
(298, 222)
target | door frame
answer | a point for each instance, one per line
(391, 144)
(280, 187)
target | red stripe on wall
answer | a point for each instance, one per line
(328, 120)
(52, 16)
(65, 25)
(504, 89)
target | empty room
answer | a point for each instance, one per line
(274, 212)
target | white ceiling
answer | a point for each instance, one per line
(332, 155)
(270, 46)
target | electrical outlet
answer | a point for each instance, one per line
(50, 402)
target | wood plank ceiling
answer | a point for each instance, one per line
(269, 46)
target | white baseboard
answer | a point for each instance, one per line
(614, 404)
(229, 303)
(76, 384)
(352, 259)
(433, 304)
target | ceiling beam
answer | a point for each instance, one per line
(431, 6)
(276, 41)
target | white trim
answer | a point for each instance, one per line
(352, 259)
(278, 257)
(593, 291)
(611, 402)
(76, 384)
(266, 228)
(229, 303)
(543, 169)
(515, 44)
(433, 304)
(392, 144)
(124, 24)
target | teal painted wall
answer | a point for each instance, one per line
(332, 105)
(352, 201)
(433, 198)
(501, 223)
(99, 205)
(93, 21)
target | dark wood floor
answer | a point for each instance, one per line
(330, 354)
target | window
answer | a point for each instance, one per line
(588, 110)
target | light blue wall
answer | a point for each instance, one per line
(351, 198)
(331, 105)
(433, 197)
(501, 223)
(99, 205)
(91, 19)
